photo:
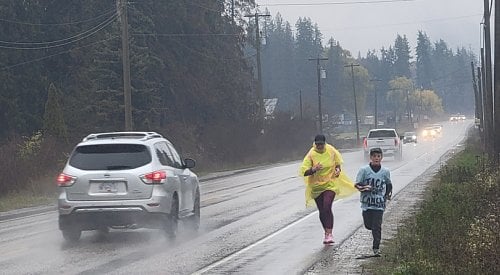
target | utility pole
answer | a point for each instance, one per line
(122, 9)
(496, 95)
(480, 94)
(318, 71)
(476, 92)
(376, 111)
(300, 101)
(488, 110)
(260, 101)
(355, 99)
(486, 127)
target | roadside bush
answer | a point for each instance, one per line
(457, 228)
(26, 160)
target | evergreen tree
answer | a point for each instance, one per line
(53, 118)
(402, 57)
(424, 65)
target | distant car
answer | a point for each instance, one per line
(438, 128)
(430, 132)
(409, 137)
(126, 180)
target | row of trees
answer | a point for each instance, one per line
(439, 80)
(193, 78)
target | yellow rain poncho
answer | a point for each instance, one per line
(325, 179)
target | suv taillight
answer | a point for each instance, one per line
(396, 142)
(365, 143)
(64, 180)
(156, 177)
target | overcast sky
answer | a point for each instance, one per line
(361, 27)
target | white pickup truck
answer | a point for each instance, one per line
(386, 139)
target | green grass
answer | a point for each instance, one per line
(22, 199)
(38, 193)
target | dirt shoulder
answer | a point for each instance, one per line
(342, 260)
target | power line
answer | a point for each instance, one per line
(203, 7)
(76, 38)
(406, 23)
(339, 3)
(187, 34)
(60, 24)
(56, 54)
(210, 56)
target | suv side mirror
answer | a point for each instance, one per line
(189, 163)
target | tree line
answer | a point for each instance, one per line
(430, 78)
(193, 77)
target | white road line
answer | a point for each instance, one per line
(243, 250)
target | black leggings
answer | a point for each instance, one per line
(324, 203)
(373, 221)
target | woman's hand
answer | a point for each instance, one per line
(317, 167)
(337, 171)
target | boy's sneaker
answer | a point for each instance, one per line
(328, 238)
(376, 252)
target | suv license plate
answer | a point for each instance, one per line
(108, 187)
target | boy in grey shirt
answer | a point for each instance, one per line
(374, 183)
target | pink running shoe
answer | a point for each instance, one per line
(328, 238)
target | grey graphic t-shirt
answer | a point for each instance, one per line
(373, 199)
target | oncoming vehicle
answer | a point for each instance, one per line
(431, 132)
(438, 128)
(410, 137)
(126, 180)
(385, 139)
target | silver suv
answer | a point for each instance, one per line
(126, 180)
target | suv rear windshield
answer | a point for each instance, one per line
(110, 157)
(381, 134)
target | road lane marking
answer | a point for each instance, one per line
(243, 250)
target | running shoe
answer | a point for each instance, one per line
(328, 238)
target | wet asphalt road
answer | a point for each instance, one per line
(252, 223)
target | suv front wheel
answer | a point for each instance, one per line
(172, 221)
(194, 220)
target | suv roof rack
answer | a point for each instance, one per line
(112, 135)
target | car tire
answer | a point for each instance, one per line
(194, 220)
(72, 235)
(172, 221)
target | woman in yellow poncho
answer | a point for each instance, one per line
(325, 181)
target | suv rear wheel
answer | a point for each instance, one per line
(173, 219)
(71, 234)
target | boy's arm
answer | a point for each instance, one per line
(360, 177)
(388, 187)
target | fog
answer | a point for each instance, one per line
(366, 26)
